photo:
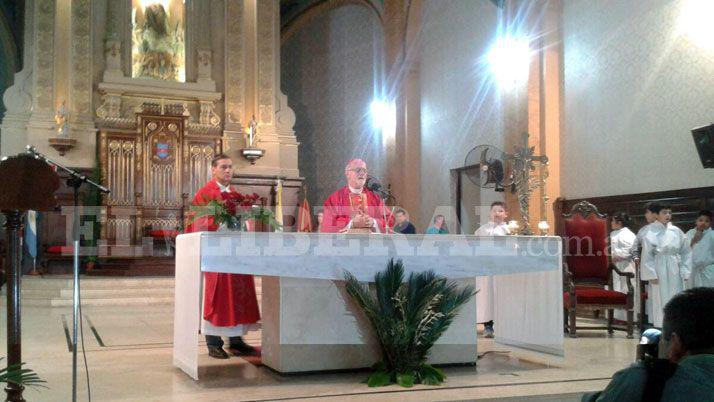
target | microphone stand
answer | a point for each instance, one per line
(376, 188)
(75, 181)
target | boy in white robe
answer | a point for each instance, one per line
(484, 298)
(666, 260)
(701, 240)
(650, 217)
(621, 242)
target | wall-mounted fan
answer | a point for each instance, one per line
(489, 167)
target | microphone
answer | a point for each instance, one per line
(372, 184)
(30, 150)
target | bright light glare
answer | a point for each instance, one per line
(146, 3)
(384, 116)
(697, 22)
(509, 59)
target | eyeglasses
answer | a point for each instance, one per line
(358, 170)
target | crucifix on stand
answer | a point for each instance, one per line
(528, 174)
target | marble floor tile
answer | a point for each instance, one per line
(133, 362)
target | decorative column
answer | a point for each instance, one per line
(552, 55)
(113, 44)
(253, 90)
(42, 125)
(516, 105)
(18, 98)
(537, 108)
(403, 151)
(234, 77)
(81, 121)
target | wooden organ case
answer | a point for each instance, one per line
(151, 172)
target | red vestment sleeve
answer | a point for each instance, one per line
(335, 215)
(203, 224)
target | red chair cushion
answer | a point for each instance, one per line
(60, 249)
(596, 296)
(164, 233)
(586, 247)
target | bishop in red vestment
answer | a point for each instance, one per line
(353, 206)
(230, 305)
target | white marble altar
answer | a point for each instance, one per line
(309, 323)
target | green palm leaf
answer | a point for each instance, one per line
(387, 284)
(407, 319)
(17, 375)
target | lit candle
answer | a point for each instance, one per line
(543, 226)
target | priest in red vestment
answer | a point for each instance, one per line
(230, 306)
(354, 207)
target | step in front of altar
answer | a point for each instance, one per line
(57, 291)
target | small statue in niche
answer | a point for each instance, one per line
(158, 48)
(61, 120)
(252, 137)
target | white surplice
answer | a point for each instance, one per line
(702, 259)
(622, 242)
(484, 284)
(636, 253)
(667, 257)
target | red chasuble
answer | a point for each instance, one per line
(342, 205)
(228, 299)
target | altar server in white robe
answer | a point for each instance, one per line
(621, 242)
(666, 260)
(701, 240)
(650, 217)
(485, 297)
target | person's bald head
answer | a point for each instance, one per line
(356, 173)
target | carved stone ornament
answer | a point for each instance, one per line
(62, 145)
(204, 61)
(208, 116)
(110, 107)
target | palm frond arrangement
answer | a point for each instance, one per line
(22, 376)
(408, 318)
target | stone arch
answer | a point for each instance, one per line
(317, 8)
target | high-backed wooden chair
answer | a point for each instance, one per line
(588, 271)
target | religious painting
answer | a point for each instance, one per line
(158, 43)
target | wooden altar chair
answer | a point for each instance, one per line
(588, 270)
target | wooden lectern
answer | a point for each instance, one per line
(28, 184)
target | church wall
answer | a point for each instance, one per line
(633, 90)
(460, 107)
(330, 69)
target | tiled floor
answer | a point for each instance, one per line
(129, 358)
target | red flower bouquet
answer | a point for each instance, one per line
(234, 210)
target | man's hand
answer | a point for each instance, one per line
(654, 282)
(368, 221)
(359, 221)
